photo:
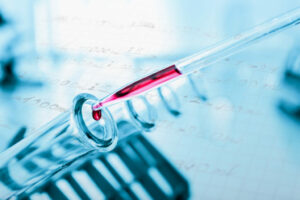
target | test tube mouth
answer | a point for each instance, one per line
(142, 113)
(101, 134)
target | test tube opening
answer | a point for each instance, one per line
(142, 112)
(102, 133)
(170, 100)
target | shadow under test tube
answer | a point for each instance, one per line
(56, 145)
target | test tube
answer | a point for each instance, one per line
(56, 145)
(75, 134)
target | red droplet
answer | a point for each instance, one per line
(97, 115)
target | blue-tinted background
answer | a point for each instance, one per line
(236, 145)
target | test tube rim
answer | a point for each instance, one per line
(87, 136)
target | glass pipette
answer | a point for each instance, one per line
(201, 59)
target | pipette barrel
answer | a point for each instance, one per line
(203, 58)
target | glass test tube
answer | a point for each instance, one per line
(56, 145)
(75, 134)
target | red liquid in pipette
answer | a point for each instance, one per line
(139, 87)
